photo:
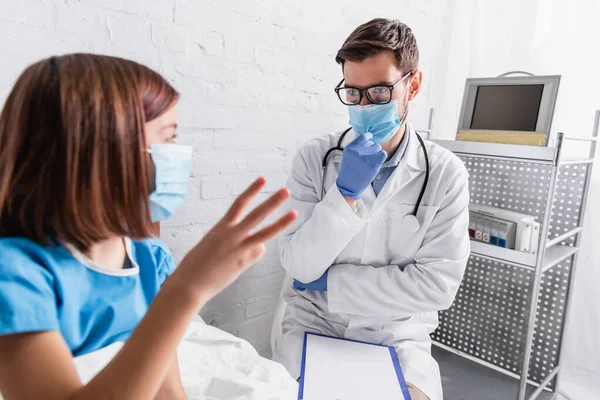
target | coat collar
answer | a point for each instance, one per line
(413, 157)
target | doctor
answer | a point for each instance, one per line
(362, 269)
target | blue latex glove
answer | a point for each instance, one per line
(318, 285)
(361, 162)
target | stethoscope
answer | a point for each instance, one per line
(410, 222)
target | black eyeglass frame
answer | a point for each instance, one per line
(391, 87)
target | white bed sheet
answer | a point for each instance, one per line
(214, 365)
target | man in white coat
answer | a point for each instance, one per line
(361, 269)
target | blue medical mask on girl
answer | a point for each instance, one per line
(381, 120)
(172, 164)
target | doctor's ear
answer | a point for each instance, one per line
(414, 85)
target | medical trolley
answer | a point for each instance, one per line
(501, 338)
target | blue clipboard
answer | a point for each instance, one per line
(393, 354)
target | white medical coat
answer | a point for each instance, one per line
(385, 285)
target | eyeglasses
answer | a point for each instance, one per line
(377, 94)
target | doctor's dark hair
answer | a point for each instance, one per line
(377, 35)
(73, 160)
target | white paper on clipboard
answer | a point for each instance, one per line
(337, 369)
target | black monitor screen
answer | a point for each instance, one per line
(509, 108)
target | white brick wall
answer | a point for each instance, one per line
(256, 78)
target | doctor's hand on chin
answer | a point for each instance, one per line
(361, 162)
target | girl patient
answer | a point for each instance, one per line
(89, 161)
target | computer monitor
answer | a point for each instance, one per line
(524, 104)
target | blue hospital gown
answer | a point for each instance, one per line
(58, 289)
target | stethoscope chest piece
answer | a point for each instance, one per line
(410, 223)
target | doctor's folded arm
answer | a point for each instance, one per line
(381, 242)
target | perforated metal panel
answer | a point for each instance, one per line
(568, 197)
(489, 315)
(512, 185)
(487, 319)
(551, 309)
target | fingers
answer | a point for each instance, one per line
(256, 253)
(272, 230)
(262, 211)
(380, 157)
(374, 149)
(237, 208)
(362, 139)
(376, 159)
(374, 155)
(364, 148)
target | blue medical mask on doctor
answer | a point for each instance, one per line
(172, 163)
(381, 120)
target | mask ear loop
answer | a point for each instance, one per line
(405, 114)
(403, 119)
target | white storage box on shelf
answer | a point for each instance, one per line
(527, 232)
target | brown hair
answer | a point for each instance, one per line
(73, 165)
(377, 35)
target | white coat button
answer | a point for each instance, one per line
(378, 176)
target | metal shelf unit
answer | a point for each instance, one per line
(510, 310)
